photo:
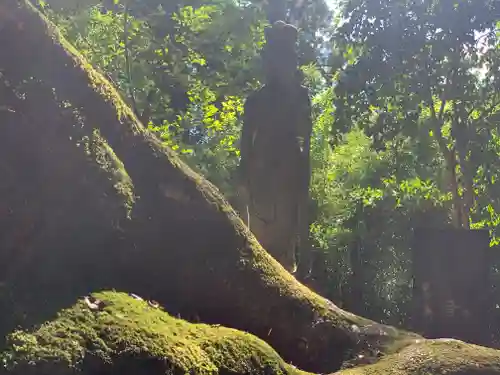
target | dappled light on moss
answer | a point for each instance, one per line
(435, 357)
(127, 328)
(97, 147)
(126, 332)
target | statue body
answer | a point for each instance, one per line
(274, 165)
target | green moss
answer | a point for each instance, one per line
(99, 83)
(129, 329)
(435, 357)
(110, 94)
(129, 334)
(99, 150)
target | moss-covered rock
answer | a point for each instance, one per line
(125, 334)
(441, 356)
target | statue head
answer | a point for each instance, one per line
(279, 55)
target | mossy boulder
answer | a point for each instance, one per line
(440, 356)
(124, 334)
(117, 333)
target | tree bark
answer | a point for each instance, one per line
(461, 133)
(182, 244)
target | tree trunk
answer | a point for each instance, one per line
(453, 185)
(137, 219)
(460, 130)
(354, 299)
(459, 217)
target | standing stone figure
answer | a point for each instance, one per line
(275, 144)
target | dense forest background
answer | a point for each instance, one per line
(406, 110)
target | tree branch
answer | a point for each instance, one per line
(449, 155)
(485, 113)
(441, 110)
(462, 138)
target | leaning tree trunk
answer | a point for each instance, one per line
(131, 216)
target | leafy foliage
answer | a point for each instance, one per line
(185, 75)
(426, 71)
